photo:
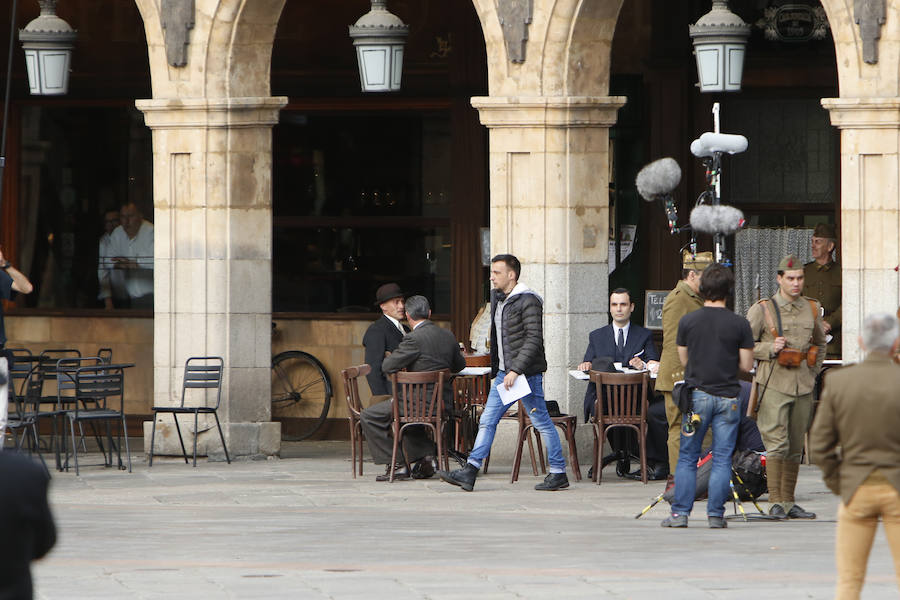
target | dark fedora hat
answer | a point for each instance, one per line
(388, 291)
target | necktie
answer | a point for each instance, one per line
(620, 346)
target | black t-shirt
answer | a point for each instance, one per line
(713, 337)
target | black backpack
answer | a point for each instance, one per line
(747, 464)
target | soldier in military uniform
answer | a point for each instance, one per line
(787, 325)
(685, 298)
(823, 282)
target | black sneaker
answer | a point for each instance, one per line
(553, 482)
(677, 521)
(464, 478)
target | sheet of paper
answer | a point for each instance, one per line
(519, 389)
(578, 374)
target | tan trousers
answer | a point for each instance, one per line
(857, 523)
(783, 421)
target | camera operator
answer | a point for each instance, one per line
(790, 348)
(712, 343)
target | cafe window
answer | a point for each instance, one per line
(78, 165)
(360, 200)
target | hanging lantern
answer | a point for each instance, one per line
(379, 37)
(720, 42)
(48, 42)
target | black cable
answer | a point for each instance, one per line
(12, 32)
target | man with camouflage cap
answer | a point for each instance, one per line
(685, 298)
(823, 282)
(789, 349)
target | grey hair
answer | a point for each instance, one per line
(880, 331)
(417, 308)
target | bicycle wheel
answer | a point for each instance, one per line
(301, 394)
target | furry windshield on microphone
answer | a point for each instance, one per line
(716, 219)
(658, 178)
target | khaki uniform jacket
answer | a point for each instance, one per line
(823, 282)
(679, 302)
(857, 425)
(797, 326)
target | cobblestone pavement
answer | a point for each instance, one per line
(302, 527)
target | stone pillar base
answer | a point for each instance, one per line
(245, 440)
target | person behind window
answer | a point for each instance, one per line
(132, 253)
(112, 281)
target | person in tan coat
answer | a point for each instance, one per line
(685, 298)
(855, 440)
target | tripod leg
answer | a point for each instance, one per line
(649, 506)
(737, 499)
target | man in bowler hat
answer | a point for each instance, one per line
(383, 336)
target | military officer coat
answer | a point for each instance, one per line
(679, 302)
(823, 282)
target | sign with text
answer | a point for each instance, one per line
(653, 304)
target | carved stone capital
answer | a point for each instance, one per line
(564, 111)
(864, 113)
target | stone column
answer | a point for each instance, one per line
(870, 210)
(549, 170)
(212, 164)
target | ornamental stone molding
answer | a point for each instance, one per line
(585, 111)
(863, 113)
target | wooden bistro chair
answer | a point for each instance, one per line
(418, 401)
(351, 377)
(621, 402)
(203, 373)
(566, 423)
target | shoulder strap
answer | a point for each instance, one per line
(815, 314)
(769, 321)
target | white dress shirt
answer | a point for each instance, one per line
(138, 282)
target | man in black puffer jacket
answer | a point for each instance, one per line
(517, 349)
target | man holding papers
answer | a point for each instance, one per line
(518, 363)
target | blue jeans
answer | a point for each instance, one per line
(536, 408)
(724, 416)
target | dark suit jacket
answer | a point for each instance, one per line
(859, 411)
(25, 520)
(381, 336)
(602, 342)
(427, 348)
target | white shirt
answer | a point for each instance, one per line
(112, 280)
(396, 323)
(138, 282)
(625, 329)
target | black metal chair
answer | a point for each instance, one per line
(200, 372)
(89, 392)
(22, 420)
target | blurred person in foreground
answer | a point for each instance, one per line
(855, 440)
(26, 523)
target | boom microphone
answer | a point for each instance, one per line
(716, 219)
(710, 143)
(658, 178)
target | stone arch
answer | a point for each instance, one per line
(589, 54)
(229, 54)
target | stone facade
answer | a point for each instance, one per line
(548, 118)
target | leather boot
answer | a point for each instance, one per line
(464, 478)
(773, 479)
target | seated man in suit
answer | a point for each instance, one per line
(631, 345)
(426, 348)
(383, 336)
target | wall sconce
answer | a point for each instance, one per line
(379, 37)
(48, 42)
(720, 42)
